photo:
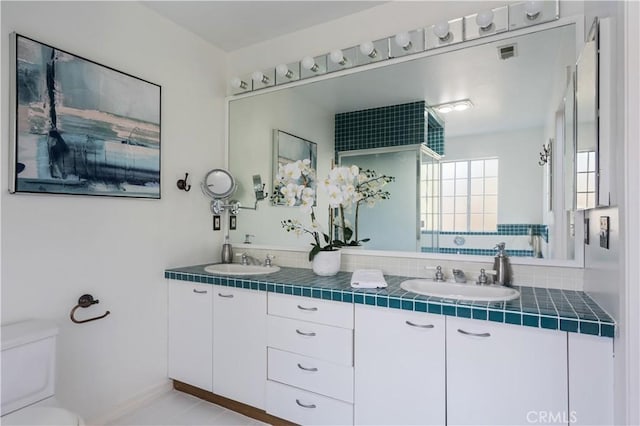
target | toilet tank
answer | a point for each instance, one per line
(28, 363)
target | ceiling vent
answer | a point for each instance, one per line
(508, 51)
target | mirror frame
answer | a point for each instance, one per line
(578, 262)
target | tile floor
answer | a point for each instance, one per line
(180, 409)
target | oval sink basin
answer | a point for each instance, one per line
(457, 291)
(239, 269)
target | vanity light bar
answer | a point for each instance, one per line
(482, 24)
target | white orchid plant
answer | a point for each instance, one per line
(347, 188)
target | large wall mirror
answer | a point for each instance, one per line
(485, 185)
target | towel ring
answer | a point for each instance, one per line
(85, 301)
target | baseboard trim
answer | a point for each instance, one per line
(238, 407)
(131, 404)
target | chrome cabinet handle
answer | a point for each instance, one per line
(419, 325)
(474, 334)
(302, 367)
(305, 405)
(228, 296)
(310, 334)
(307, 309)
(200, 291)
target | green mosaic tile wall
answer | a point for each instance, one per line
(381, 127)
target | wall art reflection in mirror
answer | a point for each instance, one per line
(81, 128)
(295, 162)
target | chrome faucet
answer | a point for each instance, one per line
(248, 259)
(439, 275)
(459, 276)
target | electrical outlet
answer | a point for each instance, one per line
(604, 232)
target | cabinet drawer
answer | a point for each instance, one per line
(314, 340)
(306, 408)
(326, 312)
(323, 377)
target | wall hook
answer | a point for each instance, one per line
(545, 154)
(182, 183)
(85, 301)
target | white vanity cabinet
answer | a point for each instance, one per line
(399, 367)
(501, 374)
(590, 380)
(309, 360)
(191, 333)
(239, 344)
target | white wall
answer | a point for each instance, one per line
(55, 248)
(519, 175)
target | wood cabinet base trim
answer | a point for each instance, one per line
(238, 407)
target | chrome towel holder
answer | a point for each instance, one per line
(85, 301)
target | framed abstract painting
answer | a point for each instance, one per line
(80, 127)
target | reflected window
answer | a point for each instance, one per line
(586, 180)
(469, 195)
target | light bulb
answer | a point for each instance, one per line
(533, 9)
(403, 40)
(445, 108)
(484, 19)
(309, 63)
(441, 30)
(461, 106)
(284, 71)
(259, 77)
(236, 83)
(337, 57)
(368, 49)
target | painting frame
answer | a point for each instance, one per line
(78, 127)
(288, 148)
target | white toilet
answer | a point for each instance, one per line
(28, 376)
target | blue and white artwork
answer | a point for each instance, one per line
(81, 127)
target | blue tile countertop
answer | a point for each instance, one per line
(566, 310)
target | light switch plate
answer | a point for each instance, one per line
(216, 222)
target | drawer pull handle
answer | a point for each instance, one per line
(474, 334)
(310, 334)
(305, 405)
(302, 367)
(228, 296)
(412, 324)
(313, 309)
(200, 291)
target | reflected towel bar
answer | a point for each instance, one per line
(85, 301)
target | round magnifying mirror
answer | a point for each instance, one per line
(218, 184)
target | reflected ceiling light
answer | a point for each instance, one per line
(337, 57)
(441, 30)
(532, 9)
(284, 71)
(309, 63)
(368, 49)
(259, 77)
(447, 107)
(403, 40)
(236, 83)
(484, 19)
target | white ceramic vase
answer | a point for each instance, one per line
(326, 263)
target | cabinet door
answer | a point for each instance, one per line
(399, 367)
(590, 380)
(501, 374)
(239, 345)
(190, 333)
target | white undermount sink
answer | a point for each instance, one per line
(458, 291)
(239, 269)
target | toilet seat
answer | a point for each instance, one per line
(42, 416)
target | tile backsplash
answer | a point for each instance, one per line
(528, 275)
